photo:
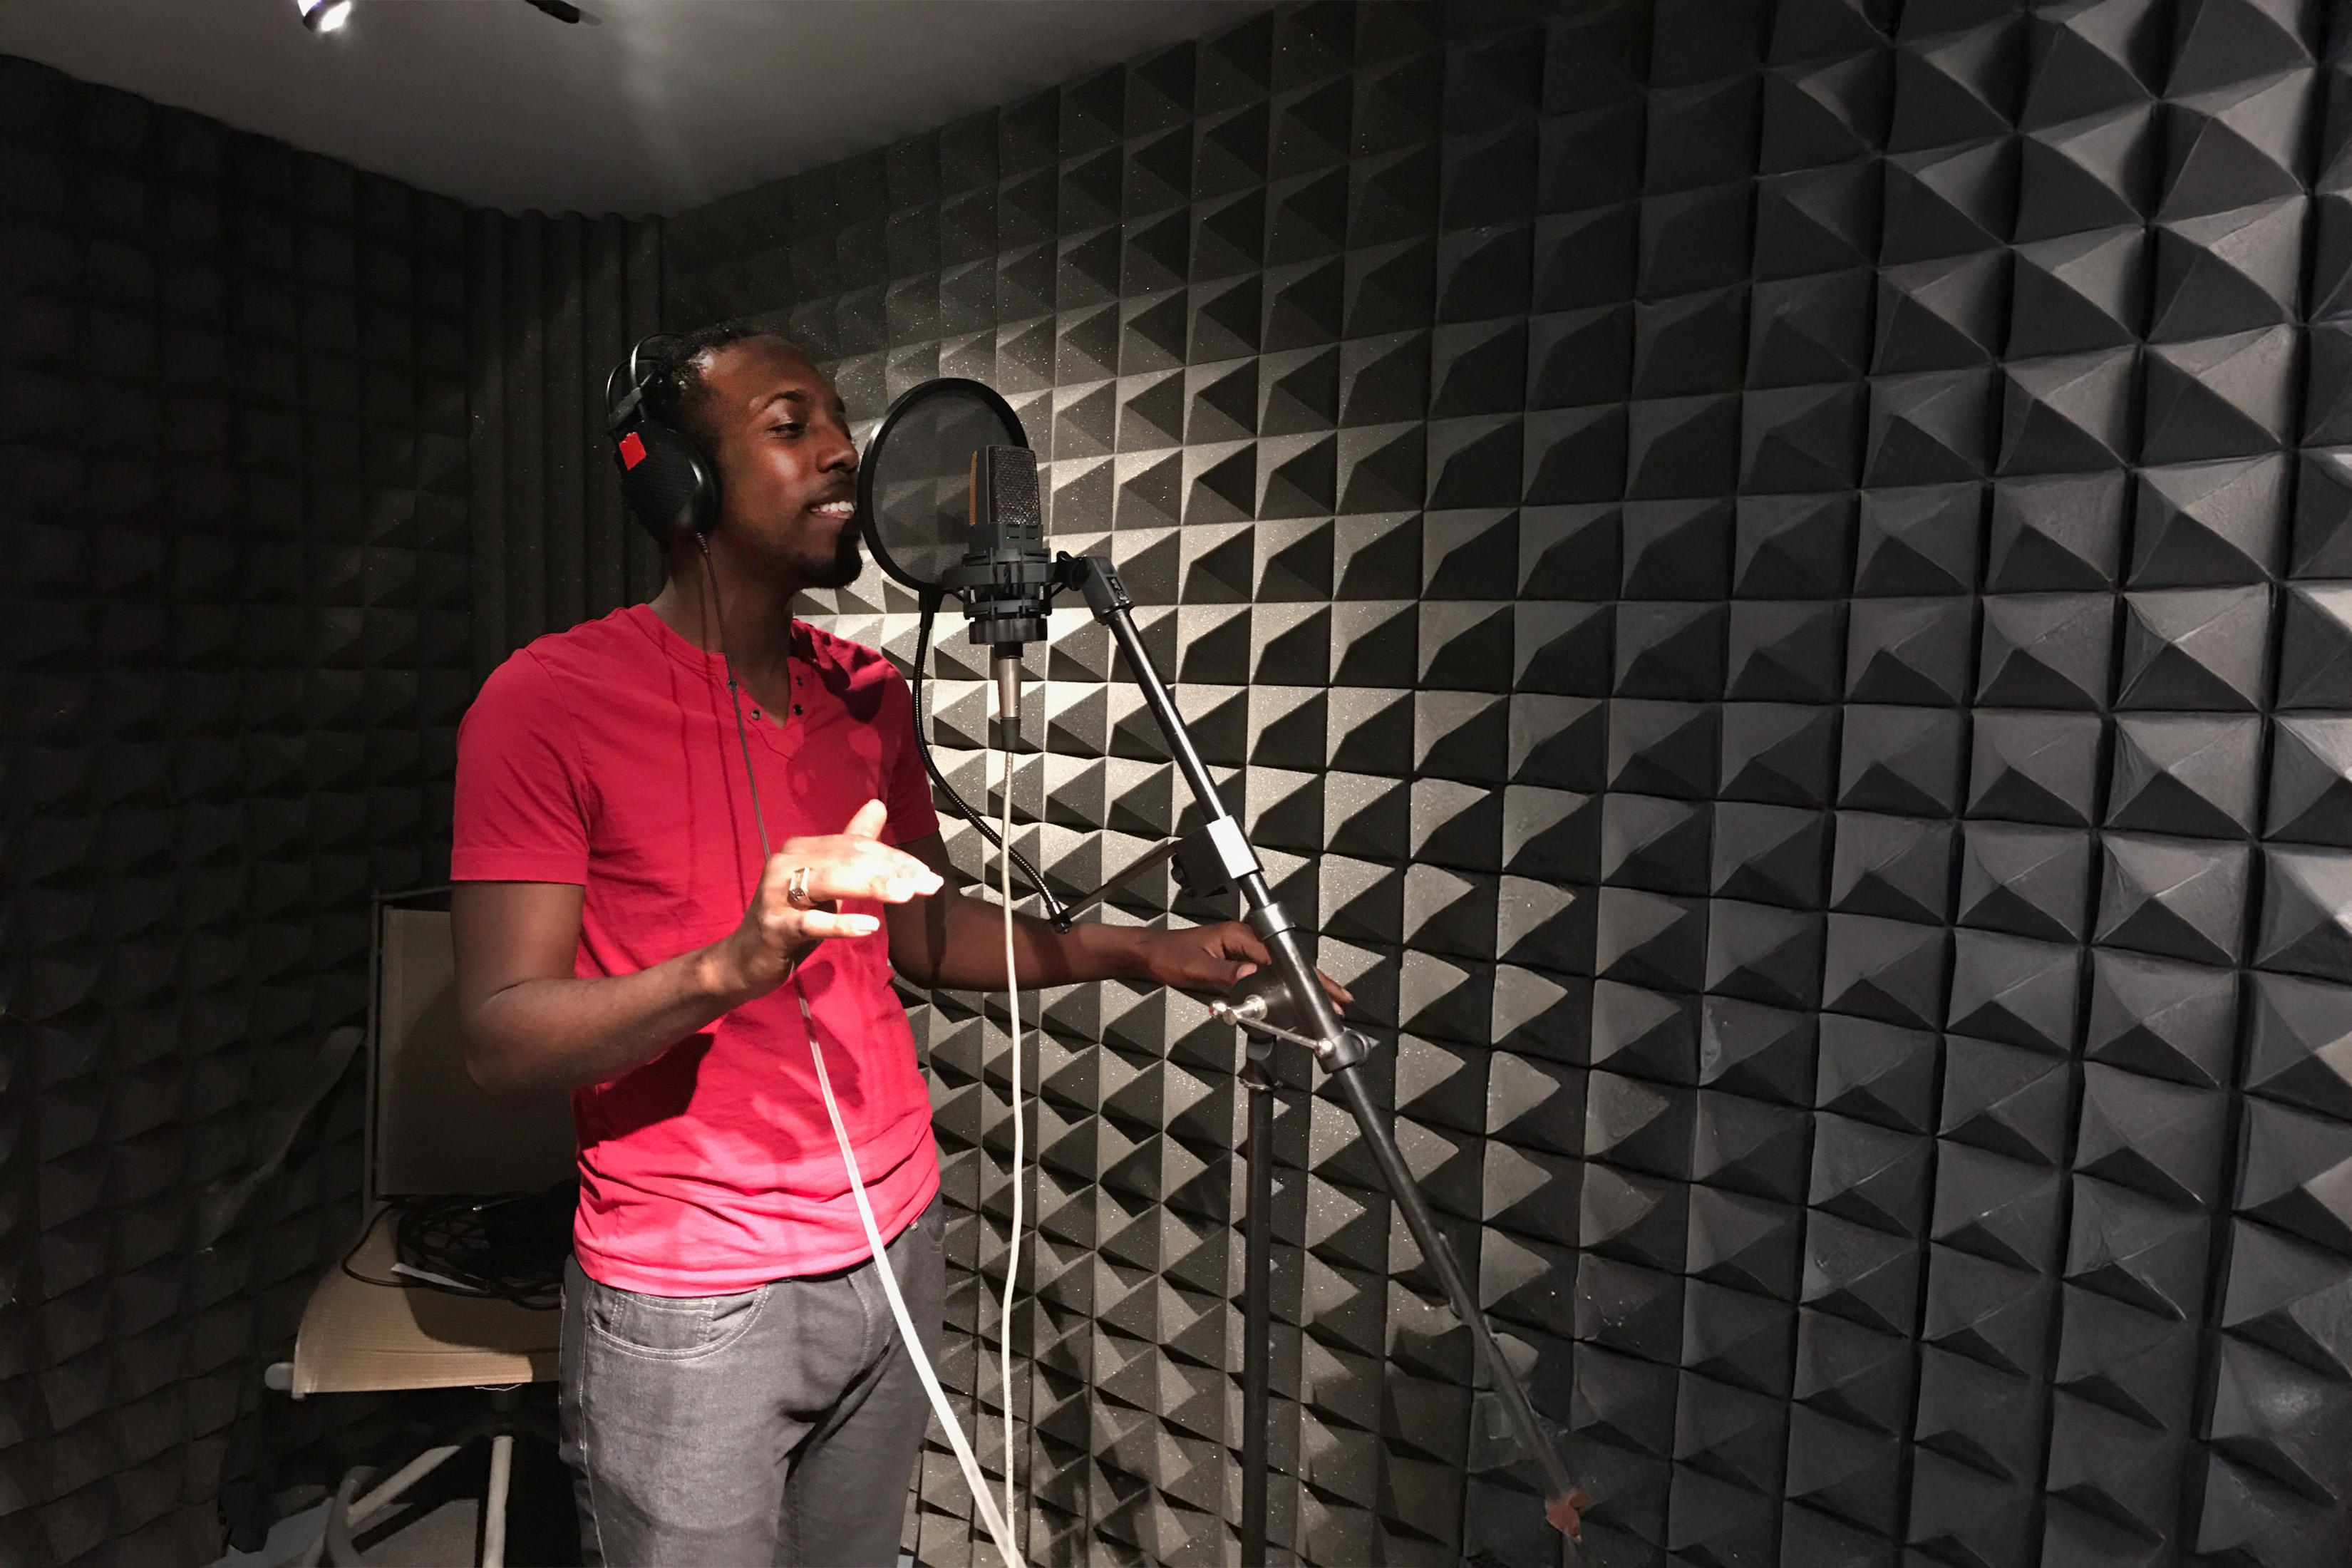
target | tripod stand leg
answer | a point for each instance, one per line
(494, 1505)
(1561, 1498)
(1258, 1346)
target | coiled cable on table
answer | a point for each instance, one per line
(511, 1247)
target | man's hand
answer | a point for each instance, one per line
(777, 933)
(1213, 958)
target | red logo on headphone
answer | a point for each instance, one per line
(633, 452)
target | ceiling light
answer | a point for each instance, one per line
(324, 16)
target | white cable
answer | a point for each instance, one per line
(970, 1463)
(1013, 1002)
(997, 1529)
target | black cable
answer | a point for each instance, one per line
(1055, 912)
(742, 736)
(390, 1205)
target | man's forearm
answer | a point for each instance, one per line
(964, 949)
(538, 1037)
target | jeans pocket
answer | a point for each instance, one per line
(670, 1328)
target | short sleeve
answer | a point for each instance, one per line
(518, 813)
(906, 785)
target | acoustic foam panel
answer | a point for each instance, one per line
(233, 596)
(1771, 576)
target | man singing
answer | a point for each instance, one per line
(732, 1385)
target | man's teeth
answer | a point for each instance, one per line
(837, 508)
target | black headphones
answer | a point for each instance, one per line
(671, 487)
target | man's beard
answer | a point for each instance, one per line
(843, 567)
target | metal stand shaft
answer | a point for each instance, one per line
(1339, 1050)
(1257, 1313)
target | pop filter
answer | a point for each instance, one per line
(914, 506)
(914, 487)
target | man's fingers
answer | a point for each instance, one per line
(853, 859)
(847, 867)
(887, 875)
(822, 924)
(871, 818)
(1245, 954)
(900, 869)
(1240, 939)
(898, 887)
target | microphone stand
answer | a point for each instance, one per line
(1223, 852)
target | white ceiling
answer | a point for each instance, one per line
(653, 107)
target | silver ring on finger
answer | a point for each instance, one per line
(796, 891)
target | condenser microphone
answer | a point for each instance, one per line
(1006, 576)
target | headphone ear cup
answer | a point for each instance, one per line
(668, 485)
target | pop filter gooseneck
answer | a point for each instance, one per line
(914, 508)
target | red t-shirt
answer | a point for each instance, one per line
(607, 756)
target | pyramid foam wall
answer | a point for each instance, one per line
(1775, 579)
(234, 571)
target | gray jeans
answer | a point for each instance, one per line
(777, 1426)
